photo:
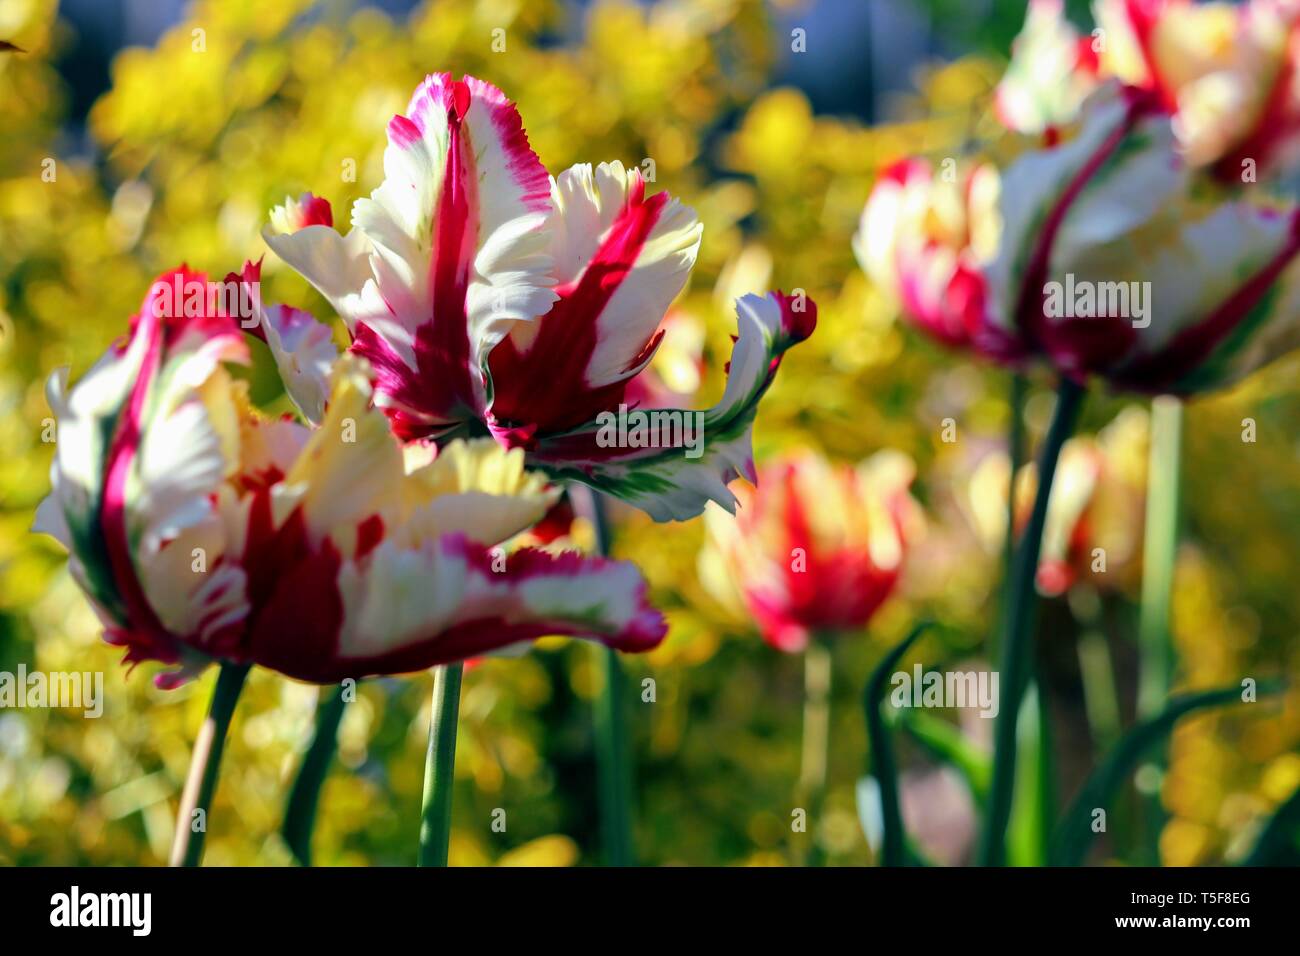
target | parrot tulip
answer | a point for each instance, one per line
(1052, 71)
(1113, 263)
(816, 548)
(925, 240)
(493, 300)
(202, 531)
(814, 551)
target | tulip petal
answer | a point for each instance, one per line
(475, 488)
(1227, 70)
(304, 353)
(1113, 176)
(301, 232)
(924, 241)
(620, 259)
(1226, 298)
(350, 468)
(1052, 70)
(687, 467)
(1078, 475)
(458, 249)
(815, 547)
(195, 584)
(1164, 45)
(70, 513)
(443, 257)
(410, 609)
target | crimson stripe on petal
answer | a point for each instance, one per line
(546, 384)
(443, 347)
(524, 167)
(1032, 295)
(144, 627)
(295, 608)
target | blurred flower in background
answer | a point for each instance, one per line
(1053, 69)
(815, 548)
(1226, 71)
(926, 237)
(1094, 514)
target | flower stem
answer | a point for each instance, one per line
(1015, 458)
(613, 758)
(1016, 649)
(612, 764)
(1155, 653)
(205, 764)
(300, 811)
(440, 765)
(1101, 702)
(816, 737)
(1160, 553)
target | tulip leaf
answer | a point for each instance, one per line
(869, 818)
(1279, 841)
(1074, 833)
(946, 743)
(882, 765)
(1034, 801)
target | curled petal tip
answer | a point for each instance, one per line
(798, 315)
(295, 214)
(316, 211)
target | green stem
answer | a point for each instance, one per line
(1279, 841)
(613, 757)
(205, 764)
(1155, 650)
(1015, 459)
(1016, 649)
(1033, 802)
(440, 765)
(816, 737)
(304, 797)
(612, 764)
(1160, 554)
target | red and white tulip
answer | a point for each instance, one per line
(492, 299)
(925, 239)
(1114, 208)
(1053, 69)
(202, 531)
(816, 548)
